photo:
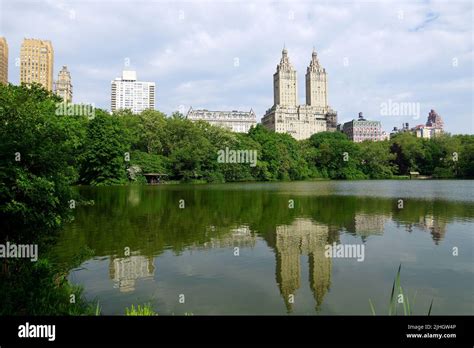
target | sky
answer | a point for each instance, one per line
(413, 56)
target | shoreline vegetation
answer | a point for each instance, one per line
(202, 182)
(44, 152)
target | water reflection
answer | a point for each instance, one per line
(436, 227)
(125, 271)
(302, 237)
(241, 237)
(149, 221)
(368, 224)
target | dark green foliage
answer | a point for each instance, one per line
(444, 156)
(280, 156)
(107, 141)
(149, 162)
(377, 160)
(92, 151)
(42, 154)
(335, 156)
(37, 167)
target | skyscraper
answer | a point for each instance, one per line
(128, 93)
(37, 62)
(316, 84)
(63, 86)
(3, 60)
(300, 121)
(285, 83)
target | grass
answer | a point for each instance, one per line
(98, 309)
(396, 294)
(144, 310)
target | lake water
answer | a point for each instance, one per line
(259, 248)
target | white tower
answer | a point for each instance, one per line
(284, 83)
(316, 84)
(128, 93)
(63, 85)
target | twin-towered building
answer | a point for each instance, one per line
(286, 115)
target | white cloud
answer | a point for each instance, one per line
(395, 50)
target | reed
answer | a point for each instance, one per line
(397, 291)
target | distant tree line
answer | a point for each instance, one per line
(43, 152)
(118, 148)
(188, 151)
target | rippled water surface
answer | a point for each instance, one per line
(258, 248)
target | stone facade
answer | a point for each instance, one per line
(361, 129)
(236, 121)
(434, 120)
(300, 121)
(433, 127)
(37, 62)
(63, 86)
(3, 61)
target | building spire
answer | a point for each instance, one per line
(285, 61)
(314, 63)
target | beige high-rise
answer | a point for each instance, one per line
(3, 60)
(316, 85)
(285, 91)
(63, 86)
(286, 115)
(37, 62)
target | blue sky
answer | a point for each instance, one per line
(374, 52)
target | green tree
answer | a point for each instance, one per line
(335, 156)
(376, 159)
(36, 146)
(409, 152)
(280, 156)
(464, 167)
(34, 168)
(152, 129)
(104, 158)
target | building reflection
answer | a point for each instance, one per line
(302, 237)
(365, 225)
(437, 227)
(241, 237)
(126, 271)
